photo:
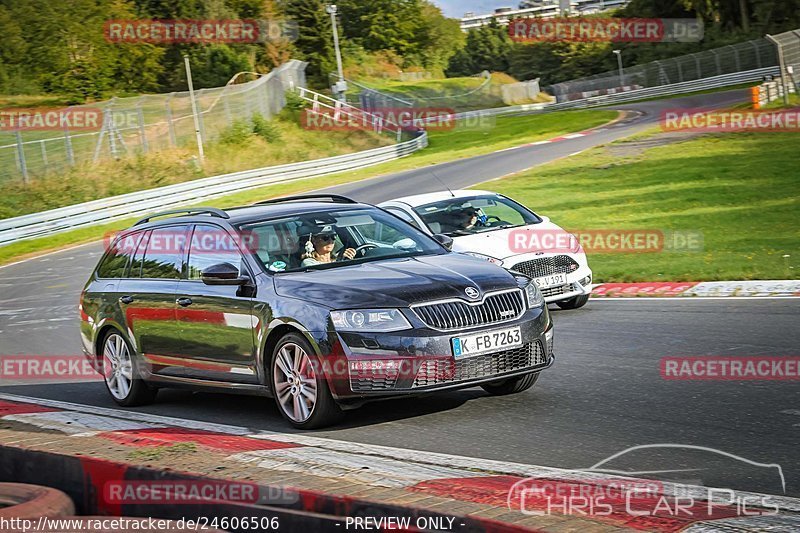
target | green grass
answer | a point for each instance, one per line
(739, 190)
(444, 146)
(280, 141)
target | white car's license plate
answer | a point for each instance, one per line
(551, 280)
(488, 341)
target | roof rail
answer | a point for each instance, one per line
(213, 211)
(335, 198)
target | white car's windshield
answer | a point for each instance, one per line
(334, 238)
(477, 214)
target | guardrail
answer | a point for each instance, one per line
(142, 202)
(138, 203)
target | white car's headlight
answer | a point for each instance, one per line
(374, 320)
(496, 261)
(534, 295)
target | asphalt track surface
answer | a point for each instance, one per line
(604, 395)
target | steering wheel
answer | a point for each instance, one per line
(364, 247)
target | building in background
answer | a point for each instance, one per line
(540, 8)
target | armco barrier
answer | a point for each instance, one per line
(138, 203)
(84, 479)
(142, 202)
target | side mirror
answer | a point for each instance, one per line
(444, 240)
(223, 274)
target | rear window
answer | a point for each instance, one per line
(116, 260)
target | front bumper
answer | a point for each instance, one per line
(578, 281)
(421, 359)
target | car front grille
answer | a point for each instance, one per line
(457, 314)
(545, 266)
(439, 371)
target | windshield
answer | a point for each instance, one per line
(332, 239)
(477, 214)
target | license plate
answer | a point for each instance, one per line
(551, 280)
(488, 341)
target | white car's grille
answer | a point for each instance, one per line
(545, 266)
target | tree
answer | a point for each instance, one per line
(487, 48)
(314, 39)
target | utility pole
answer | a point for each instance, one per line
(618, 53)
(341, 86)
(194, 111)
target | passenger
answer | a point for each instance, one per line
(319, 248)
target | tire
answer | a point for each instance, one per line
(300, 391)
(511, 385)
(19, 500)
(121, 375)
(574, 302)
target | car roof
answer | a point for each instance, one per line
(254, 213)
(428, 198)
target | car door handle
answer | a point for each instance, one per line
(184, 302)
(126, 299)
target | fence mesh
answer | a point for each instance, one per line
(146, 124)
(483, 92)
(749, 55)
(789, 43)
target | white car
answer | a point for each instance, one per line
(500, 230)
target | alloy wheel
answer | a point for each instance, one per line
(295, 382)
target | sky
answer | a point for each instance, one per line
(457, 8)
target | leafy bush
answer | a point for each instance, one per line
(237, 133)
(266, 129)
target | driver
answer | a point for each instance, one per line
(319, 248)
(467, 218)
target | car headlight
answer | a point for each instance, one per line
(496, 261)
(375, 320)
(534, 295)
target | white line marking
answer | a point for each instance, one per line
(50, 253)
(75, 423)
(574, 135)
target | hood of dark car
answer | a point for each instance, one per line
(395, 282)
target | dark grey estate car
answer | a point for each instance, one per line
(318, 301)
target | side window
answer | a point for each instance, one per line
(403, 215)
(135, 267)
(164, 256)
(212, 245)
(116, 260)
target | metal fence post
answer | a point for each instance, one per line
(716, 60)
(170, 125)
(142, 132)
(44, 154)
(23, 167)
(68, 147)
(782, 65)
